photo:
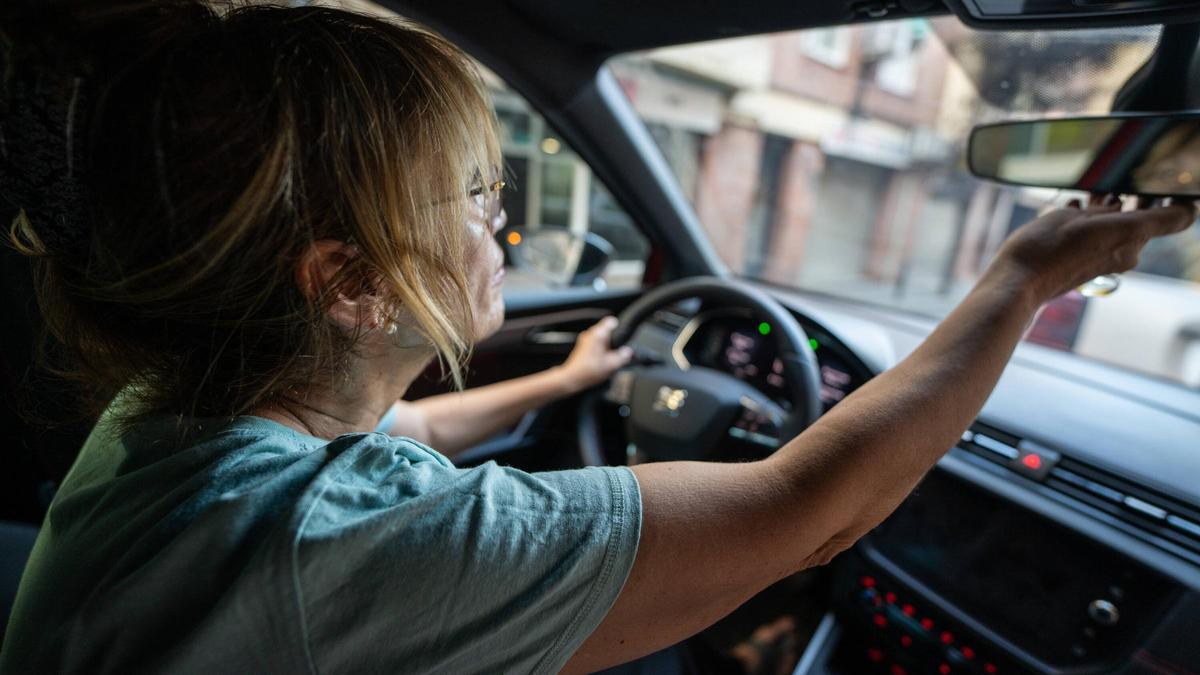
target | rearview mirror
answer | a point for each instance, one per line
(558, 256)
(1154, 155)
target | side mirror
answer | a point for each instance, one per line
(556, 256)
(1153, 155)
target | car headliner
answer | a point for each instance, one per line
(597, 29)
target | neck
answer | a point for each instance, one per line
(376, 381)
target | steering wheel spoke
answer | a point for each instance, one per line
(759, 422)
(620, 386)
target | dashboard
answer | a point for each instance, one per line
(1061, 535)
(736, 343)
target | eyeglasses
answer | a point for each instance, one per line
(487, 200)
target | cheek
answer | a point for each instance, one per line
(488, 300)
(488, 310)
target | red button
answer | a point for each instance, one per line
(968, 653)
(944, 669)
(890, 597)
(927, 623)
(908, 610)
(905, 641)
(880, 620)
(1033, 462)
(875, 655)
(947, 637)
(867, 582)
(989, 667)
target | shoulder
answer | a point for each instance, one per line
(537, 558)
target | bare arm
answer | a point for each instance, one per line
(454, 422)
(715, 534)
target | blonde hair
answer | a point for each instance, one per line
(221, 145)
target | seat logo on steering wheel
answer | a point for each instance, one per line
(670, 401)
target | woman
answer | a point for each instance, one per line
(273, 220)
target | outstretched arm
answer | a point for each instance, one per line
(715, 534)
(454, 422)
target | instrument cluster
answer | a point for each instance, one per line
(740, 345)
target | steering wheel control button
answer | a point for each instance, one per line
(620, 389)
(646, 357)
(1034, 461)
(754, 437)
(757, 423)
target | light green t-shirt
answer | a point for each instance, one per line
(253, 548)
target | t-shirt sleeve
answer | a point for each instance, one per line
(402, 562)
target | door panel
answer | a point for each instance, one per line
(532, 338)
(536, 335)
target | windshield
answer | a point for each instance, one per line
(832, 160)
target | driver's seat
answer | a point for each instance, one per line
(16, 542)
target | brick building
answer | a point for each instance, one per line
(831, 158)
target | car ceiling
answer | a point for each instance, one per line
(561, 44)
(614, 26)
(564, 43)
(598, 29)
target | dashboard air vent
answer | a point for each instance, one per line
(1164, 521)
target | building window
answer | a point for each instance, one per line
(895, 48)
(830, 46)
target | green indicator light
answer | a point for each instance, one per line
(812, 342)
(764, 328)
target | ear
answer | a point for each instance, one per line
(319, 264)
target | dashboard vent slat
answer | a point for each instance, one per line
(1154, 515)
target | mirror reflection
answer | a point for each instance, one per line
(1151, 155)
(557, 256)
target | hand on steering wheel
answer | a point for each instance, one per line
(677, 413)
(594, 359)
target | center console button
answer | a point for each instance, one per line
(1104, 612)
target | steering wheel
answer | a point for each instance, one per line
(679, 413)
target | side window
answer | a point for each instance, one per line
(564, 227)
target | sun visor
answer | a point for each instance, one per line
(1073, 13)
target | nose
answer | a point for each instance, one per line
(499, 221)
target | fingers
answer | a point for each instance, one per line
(1150, 219)
(1165, 220)
(1191, 211)
(606, 325)
(619, 357)
(1099, 201)
(602, 332)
